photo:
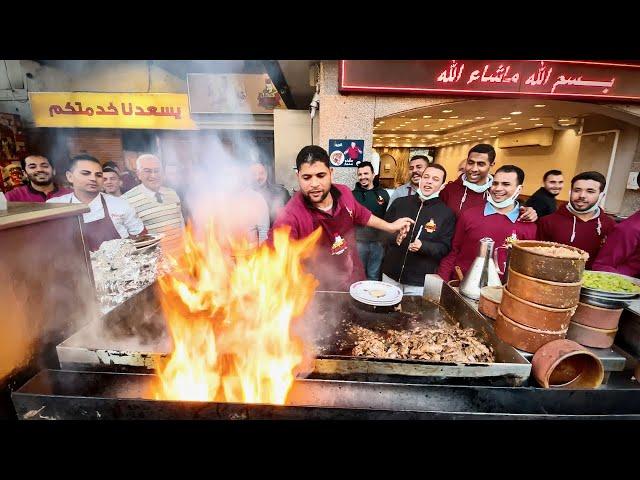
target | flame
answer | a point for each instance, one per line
(230, 315)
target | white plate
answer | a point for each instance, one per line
(361, 291)
(156, 239)
(147, 248)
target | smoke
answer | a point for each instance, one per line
(214, 183)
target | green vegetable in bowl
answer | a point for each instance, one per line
(609, 283)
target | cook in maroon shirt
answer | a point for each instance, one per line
(333, 208)
(581, 223)
(41, 187)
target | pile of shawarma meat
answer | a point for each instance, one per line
(442, 344)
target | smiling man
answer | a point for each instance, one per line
(411, 256)
(543, 201)
(496, 219)
(369, 240)
(471, 189)
(582, 223)
(109, 217)
(332, 207)
(417, 165)
(41, 186)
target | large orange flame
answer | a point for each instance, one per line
(230, 317)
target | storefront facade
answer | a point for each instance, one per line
(356, 96)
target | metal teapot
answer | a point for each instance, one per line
(483, 271)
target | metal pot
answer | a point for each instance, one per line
(546, 267)
(490, 298)
(598, 317)
(523, 337)
(591, 336)
(566, 364)
(534, 315)
(544, 292)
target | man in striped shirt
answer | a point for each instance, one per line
(157, 206)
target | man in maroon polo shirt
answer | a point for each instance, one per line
(41, 186)
(496, 219)
(581, 223)
(333, 208)
(471, 189)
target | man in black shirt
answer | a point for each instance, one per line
(543, 201)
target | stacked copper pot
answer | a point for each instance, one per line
(541, 295)
(594, 326)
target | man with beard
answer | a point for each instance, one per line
(275, 196)
(471, 189)
(41, 186)
(497, 219)
(411, 256)
(369, 240)
(331, 207)
(109, 217)
(582, 223)
(417, 165)
(543, 201)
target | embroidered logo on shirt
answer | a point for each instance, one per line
(510, 240)
(380, 200)
(339, 245)
(430, 226)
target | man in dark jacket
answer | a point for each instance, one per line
(409, 257)
(543, 201)
(369, 240)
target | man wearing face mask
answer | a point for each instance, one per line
(582, 223)
(411, 255)
(496, 219)
(417, 165)
(471, 189)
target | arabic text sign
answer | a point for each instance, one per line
(346, 153)
(571, 79)
(111, 110)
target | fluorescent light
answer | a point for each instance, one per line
(427, 116)
(441, 119)
(513, 123)
(454, 116)
(515, 113)
(506, 118)
(479, 118)
(539, 124)
(518, 128)
(539, 106)
(447, 111)
(534, 119)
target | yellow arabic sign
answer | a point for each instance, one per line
(112, 110)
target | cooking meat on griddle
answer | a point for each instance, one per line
(441, 344)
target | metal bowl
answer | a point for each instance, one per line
(593, 292)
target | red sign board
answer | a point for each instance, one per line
(501, 78)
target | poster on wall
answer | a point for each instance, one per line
(430, 153)
(12, 150)
(346, 153)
